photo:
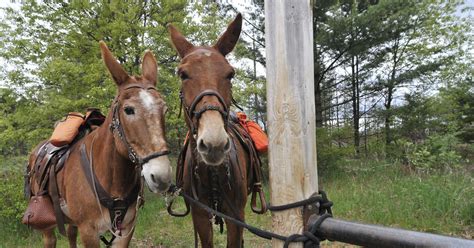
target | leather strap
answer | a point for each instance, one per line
(54, 193)
(152, 156)
(191, 111)
(117, 206)
(180, 181)
(105, 199)
(204, 93)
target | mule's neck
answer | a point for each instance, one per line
(116, 173)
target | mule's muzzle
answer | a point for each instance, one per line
(213, 153)
(158, 173)
(162, 186)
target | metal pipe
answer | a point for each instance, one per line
(379, 236)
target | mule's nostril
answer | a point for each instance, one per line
(227, 145)
(202, 146)
(163, 186)
(153, 178)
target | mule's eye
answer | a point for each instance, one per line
(129, 110)
(183, 76)
(230, 76)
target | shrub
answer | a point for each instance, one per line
(11, 188)
(333, 146)
(438, 152)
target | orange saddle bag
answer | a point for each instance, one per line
(67, 129)
(259, 137)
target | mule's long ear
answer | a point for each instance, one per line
(179, 42)
(149, 67)
(227, 41)
(116, 70)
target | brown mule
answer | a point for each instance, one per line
(215, 166)
(129, 144)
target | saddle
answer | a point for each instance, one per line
(44, 209)
(254, 140)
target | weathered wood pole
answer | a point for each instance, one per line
(290, 108)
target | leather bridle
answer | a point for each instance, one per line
(115, 125)
(191, 111)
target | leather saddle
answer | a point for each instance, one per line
(44, 210)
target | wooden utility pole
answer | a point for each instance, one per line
(290, 108)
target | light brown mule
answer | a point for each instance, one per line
(135, 124)
(208, 172)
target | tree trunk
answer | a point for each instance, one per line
(388, 117)
(355, 104)
(388, 100)
(318, 102)
(366, 149)
(256, 107)
(317, 98)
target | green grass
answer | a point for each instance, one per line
(375, 193)
(383, 194)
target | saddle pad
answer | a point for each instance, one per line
(67, 129)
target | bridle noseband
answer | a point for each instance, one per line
(192, 112)
(115, 125)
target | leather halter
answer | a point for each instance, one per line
(192, 112)
(115, 125)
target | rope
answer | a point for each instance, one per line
(309, 238)
(301, 203)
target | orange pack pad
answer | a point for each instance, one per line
(67, 129)
(259, 137)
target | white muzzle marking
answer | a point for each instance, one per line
(157, 173)
(213, 140)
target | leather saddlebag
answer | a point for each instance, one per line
(67, 129)
(259, 137)
(40, 213)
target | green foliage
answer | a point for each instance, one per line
(382, 48)
(58, 66)
(434, 132)
(11, 188)
(438, 152)
(333, 146)
(455, 106)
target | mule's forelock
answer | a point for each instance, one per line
(119, 75)
(226, 43)
(180, 43)
(149, 67)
